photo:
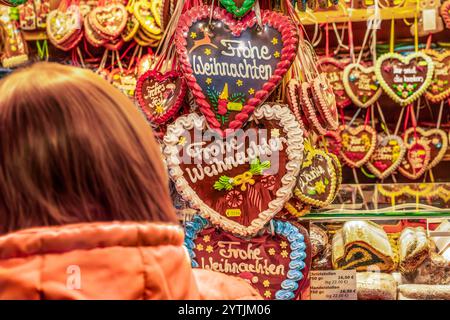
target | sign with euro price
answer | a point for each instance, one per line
(333, 285)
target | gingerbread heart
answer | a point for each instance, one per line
(293, 99)
(142, 10)
(131, 27)
(238, 8)
(124, 80)
(62, 26)
(240, 182)
(358, 144)
(233, 66)
(325, 101)
(312, 115)
(317, 179)
(109, 20)
(436, 139)
(416, 161)
(445, 13)
(333, 69)
(160, 96)
(330, 142)
(387, 156)
(274, 263)
(439, 88)
(404, 79)
(361, 85)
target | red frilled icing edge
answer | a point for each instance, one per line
(279, 22)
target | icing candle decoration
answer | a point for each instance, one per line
(387, 156)
(160, 96)
(333, 70)
(361, 85)
(276, 265)
(404, 79)
(436, 139)
(231, 67)
(240, 182)
(439, 89)
(238, 7)
(317, 180)
(416, 161)
(357, 145)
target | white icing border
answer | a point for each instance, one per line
(294, 152)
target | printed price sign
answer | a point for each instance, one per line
(333, 285)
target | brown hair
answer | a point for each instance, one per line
(75, 149)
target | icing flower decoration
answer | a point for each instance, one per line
(234, 198)
(320, 187)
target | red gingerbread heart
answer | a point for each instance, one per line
(159, 95)
(358, 144)
(334, 69)
(232, 66)
(240, 182)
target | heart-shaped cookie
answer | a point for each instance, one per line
(358, 144)
(445, 13)
(240, 182)
(160, 96)
(276, 264)
(64, 26)
(333, 69)
(416, 161)
(361, 85)
(238, 8)
(293, 100)
(233, 66)
(317, 179)
(142, 10)
(124, 80)
(387, 156)
(131, 28)
(439, 88)
(325, 101)
(436, 139)
(109, 20)
(312, 115)
(330, 142)
(404, 79)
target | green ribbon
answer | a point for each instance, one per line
(231, 7)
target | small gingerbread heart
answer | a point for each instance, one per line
(361, 85)
(358, 144)
(439, 88)
(333, 70)
(387, 156)
(416, 161)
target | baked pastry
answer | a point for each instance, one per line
(423, 292)
(376, 286)
(442, 243)
(362, 245)
(434, 270)
(323, 260)
(319, 239)
(413, 249)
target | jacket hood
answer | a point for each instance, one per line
(107, 261)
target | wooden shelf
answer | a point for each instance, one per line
(356, 15)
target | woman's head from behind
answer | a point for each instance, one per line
(74, 149)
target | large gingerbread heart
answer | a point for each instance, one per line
(357, 145)
(361, 85)
(232, 66)
(439, 89)
(416, 161)
(404, 79)
(436, 139)
(240, 182)
(238, 7)
(317, 180)
(333, 69)
(275, 264)
(159, 95)
(387, 156)
(109, 20)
